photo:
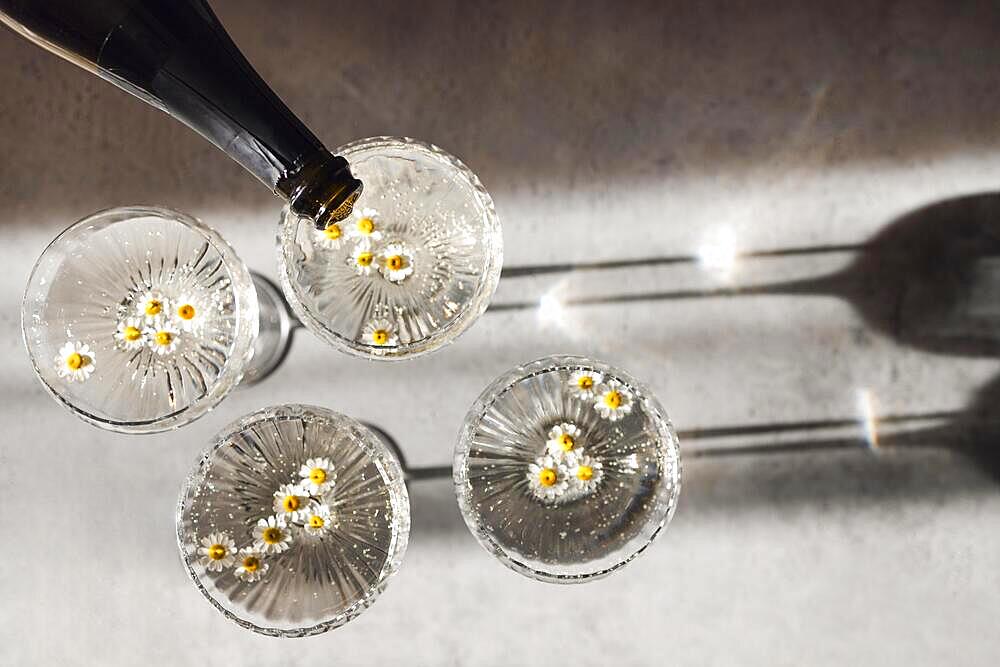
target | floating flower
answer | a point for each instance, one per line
(129, 334)
(290, 500)
(152, 305)
(217, 551)
(271, 535)
(563, 438)
(251, 566)
(162, 336)
(366, 227)
(395, 261)
(362, 260)
(585, 474)
(75, 361)
(584, 384)
(189, 312)
(614, 401)
(547, 478)
(316, 520)
(333, 236)
(317, 475)
(380, 332)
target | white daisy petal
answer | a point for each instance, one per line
(380, 332)
(290, 501)
(151, 305)
(250, 565)
(317, 520)
(548, 479)
(395, 261)
(614, 401)
(218, 551)
(584, 384)
(564, 438)
(75, 362)
(272, 535)
(363, 260)
(162, 336)
(318, 476)
(129, 334)
(333, 236)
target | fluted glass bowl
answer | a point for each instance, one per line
(566, 469)
(415, 265)
(139, 319)
(294, 520)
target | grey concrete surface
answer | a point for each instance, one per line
(605, 131)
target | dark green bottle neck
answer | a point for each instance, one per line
(175, 55)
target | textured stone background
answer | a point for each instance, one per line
(605, 131)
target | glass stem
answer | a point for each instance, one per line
(275, 336)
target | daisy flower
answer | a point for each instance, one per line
(366, 227)
(585, 473)
(614, 401)
(129, 334)
(290, 500)
(162, 336)
(395, 262)
(547, 479)
(75, 361)
(362, 260)
(380, 333)
(317, 520)
(189, 312)
(563, 438)
(251, 566)
(332, 237)
(271, 535)
(317, 475)
(152, 305)
(584, 384)
(217, 552)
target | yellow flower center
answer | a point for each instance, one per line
(365, 259)
(290, 503)
(76, 361)
(395, 262)
(131, 334)
(332, 231)
(317, 475)
(154, 307)
(272, 535)
(566, 442)
(613, 399)
(316, 521)
(186, 312)
(366, 226)
(586, 382)
(584, 473)
(380, 336)
(547, 477)
(251, 563)
(217, 552)
(163, 338)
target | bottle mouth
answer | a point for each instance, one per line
(323, 190)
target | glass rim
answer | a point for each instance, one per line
(486, 287)
(246, 312)
(463, 486)
(385, 462)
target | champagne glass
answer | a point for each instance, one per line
(566, 469)
(142, 319)
(413, 267)
(293, 521)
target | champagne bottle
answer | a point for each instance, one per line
(175, 55)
